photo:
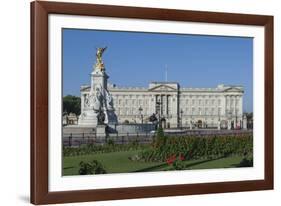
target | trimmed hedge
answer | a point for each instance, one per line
(109, 147)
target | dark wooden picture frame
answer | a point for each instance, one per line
(39, 102)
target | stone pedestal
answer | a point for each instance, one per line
(101, 133)
(88, 118)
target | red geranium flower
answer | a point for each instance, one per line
(171, 159)
(181, 157)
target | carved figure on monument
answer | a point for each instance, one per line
(97, 99)
(109, 100)
(86, 101)
(101, 117)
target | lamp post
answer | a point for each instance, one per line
(181, 118)
(191, 123)
(141, 116)
(158, 103)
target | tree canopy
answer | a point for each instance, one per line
(72, 104)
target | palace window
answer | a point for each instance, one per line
(200, 111)
(193, 111)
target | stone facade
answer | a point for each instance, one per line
(219, 107)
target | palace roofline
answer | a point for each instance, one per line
(219, 88)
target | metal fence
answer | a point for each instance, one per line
(79, 139)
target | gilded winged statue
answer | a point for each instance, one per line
(99, 53)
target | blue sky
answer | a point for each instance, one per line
(135, 59)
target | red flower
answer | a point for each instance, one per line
(181, 157)
(171, 159)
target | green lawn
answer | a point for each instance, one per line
(119, 162)
(227, 162)
(114, 162)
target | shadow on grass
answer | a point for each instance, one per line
(201, 162)
(152, 168)
(239, 165)
(148, 169)
(65, 168)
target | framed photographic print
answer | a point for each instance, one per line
(131, 102)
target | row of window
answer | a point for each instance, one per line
(209, 111)
(201, 111)
(184, 111)
(201, 102)
(192, 102)
(125, 102)
(187, 102)
(132, 111)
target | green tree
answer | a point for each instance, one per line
(72, 104)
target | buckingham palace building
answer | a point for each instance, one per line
(176, 106)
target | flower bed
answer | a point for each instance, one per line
(187, 148)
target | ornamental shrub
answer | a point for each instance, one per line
(246, 162)
(178, 165)
(93, 167)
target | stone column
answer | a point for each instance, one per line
(161, 104)
(167, 106)
(164, 104)
(229, 124)
(155, 104)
